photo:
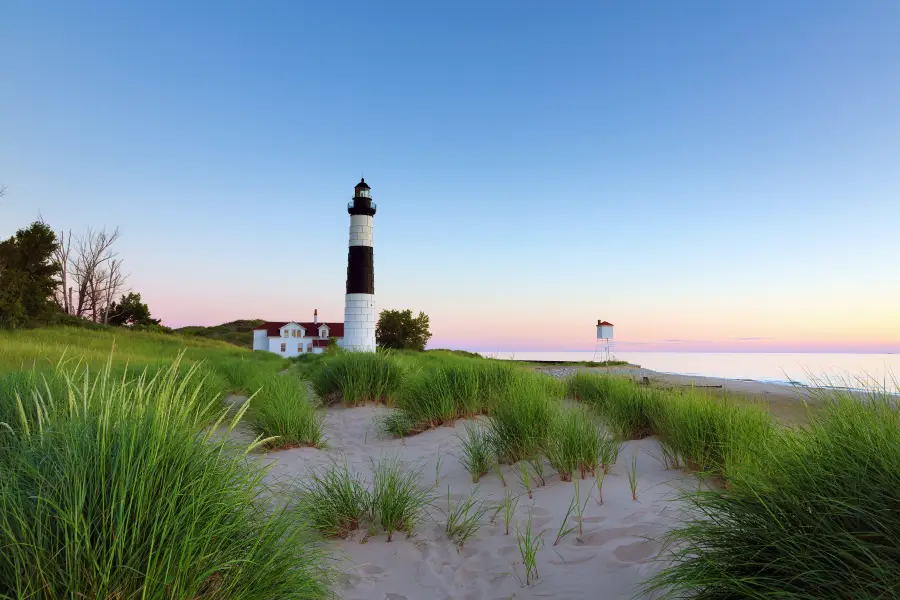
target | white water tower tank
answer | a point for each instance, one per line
(604, 330)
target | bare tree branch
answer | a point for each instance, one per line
(61, 254)
(97, 273)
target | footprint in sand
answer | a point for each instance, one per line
(538, 511)
(604, 536)
(569, 556)
(599, 519)
(395, 597)
(371, 569)
(635, 552)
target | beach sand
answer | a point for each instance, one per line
(608, 560)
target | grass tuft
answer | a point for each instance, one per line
(575, 443)
(354, 378)
(464, 518)
(334, 500)
(283, 411)
(476, 453)
(521, 420)
(398, 499)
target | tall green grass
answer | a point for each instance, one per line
(574, 443)
(620, 403)
(354, 378)
(335, 501)
(475, 451)
(521, 419)
(453, 388)
(112, 490)
(283, 411)
(399, 499)
(708, 434)
(816, 514)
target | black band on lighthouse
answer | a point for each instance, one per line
(361, 270)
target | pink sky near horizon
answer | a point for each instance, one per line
(637, 329)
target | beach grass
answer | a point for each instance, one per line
(709, 434)
(354, 378)
(521, 419)
(283, 411)
(398, 497)
(574, 443)
(529, 543)
(334, 500)
(815, 514)
(475, 451)
(464, 518)
(621, 404)
(116, 488)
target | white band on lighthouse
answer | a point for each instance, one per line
(359, 323)
(361, 230)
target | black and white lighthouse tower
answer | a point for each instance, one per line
(359, 308)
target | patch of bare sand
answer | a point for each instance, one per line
(612, 555)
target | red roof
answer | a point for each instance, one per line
(320, 343)
(272, 327)
(604, 323)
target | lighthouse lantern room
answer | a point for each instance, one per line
(359, 307)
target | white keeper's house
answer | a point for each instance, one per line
(292, 338)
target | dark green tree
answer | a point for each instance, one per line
(28, 276)
(398, 329)
(130, 311)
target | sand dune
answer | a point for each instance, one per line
(612, 555)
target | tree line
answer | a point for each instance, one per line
(49, 278)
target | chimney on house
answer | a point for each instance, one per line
(316, 316)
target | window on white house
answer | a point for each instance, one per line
(283, 347)
(300, 348)
(301, 333)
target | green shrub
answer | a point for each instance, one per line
(282, 411)
(815, 515)
(111, 491)
(354, 378)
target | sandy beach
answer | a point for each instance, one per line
(612, 555)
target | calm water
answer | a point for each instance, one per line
(771, 367)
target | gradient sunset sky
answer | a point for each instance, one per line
(706, 175)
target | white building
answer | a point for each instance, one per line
(292, 338)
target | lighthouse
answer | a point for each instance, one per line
(359, 306)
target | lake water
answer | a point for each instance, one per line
(770, 367)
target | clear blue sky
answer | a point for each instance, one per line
(707, 172)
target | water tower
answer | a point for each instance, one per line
(604, 339)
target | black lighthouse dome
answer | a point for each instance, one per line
(362, 200)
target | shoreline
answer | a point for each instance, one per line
(790, 404)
